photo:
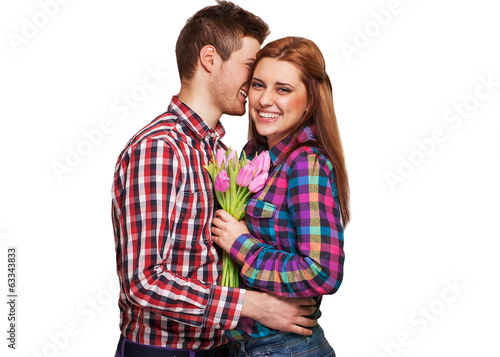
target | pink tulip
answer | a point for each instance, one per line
(257, 165)
(220, 157)
(258, 182)
(222, 181)
(261, 163)
(267, 161)
(244, 176)
(232, 156)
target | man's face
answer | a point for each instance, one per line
(231, 83)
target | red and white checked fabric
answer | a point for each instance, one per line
(162, 209)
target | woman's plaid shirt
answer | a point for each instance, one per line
(168, 267)
(295, 248)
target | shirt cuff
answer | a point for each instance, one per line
(241, 246)
(224, 307)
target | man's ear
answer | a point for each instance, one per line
(208, 57)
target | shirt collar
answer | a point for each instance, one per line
(308, 132)
(193, 121)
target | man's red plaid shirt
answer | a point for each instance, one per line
(162, 209)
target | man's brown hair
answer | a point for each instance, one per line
(223, 26)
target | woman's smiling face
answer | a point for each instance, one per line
(277, 99)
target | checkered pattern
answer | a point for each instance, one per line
(168, 267)
(295, 248)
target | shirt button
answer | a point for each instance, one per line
(256, 212)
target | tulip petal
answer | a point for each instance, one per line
(244, 176)
(258, 182)
(222, 181)
(220, 157)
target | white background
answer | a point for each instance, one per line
(408, 87)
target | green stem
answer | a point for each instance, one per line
(232, 190)
(241, 193)
(230, 272)
(246, 197)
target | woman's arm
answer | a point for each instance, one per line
(317, 266)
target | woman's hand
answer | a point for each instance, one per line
(226, 229)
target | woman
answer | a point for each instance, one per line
(292, 243)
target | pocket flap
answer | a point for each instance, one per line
(261, 209)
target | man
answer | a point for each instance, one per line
(163, 204)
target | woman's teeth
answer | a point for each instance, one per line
(268, 115)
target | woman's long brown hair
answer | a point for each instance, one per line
(307, 58)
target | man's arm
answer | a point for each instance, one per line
(284, 314)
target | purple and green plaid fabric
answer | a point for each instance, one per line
(295, 248)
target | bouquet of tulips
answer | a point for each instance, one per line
(234, 182)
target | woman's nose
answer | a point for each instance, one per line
(266, 99)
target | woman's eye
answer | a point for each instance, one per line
(284, 90)
(256, 85)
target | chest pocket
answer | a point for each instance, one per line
(261, 220)
(260, 209)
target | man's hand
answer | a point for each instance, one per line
(284, 314)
